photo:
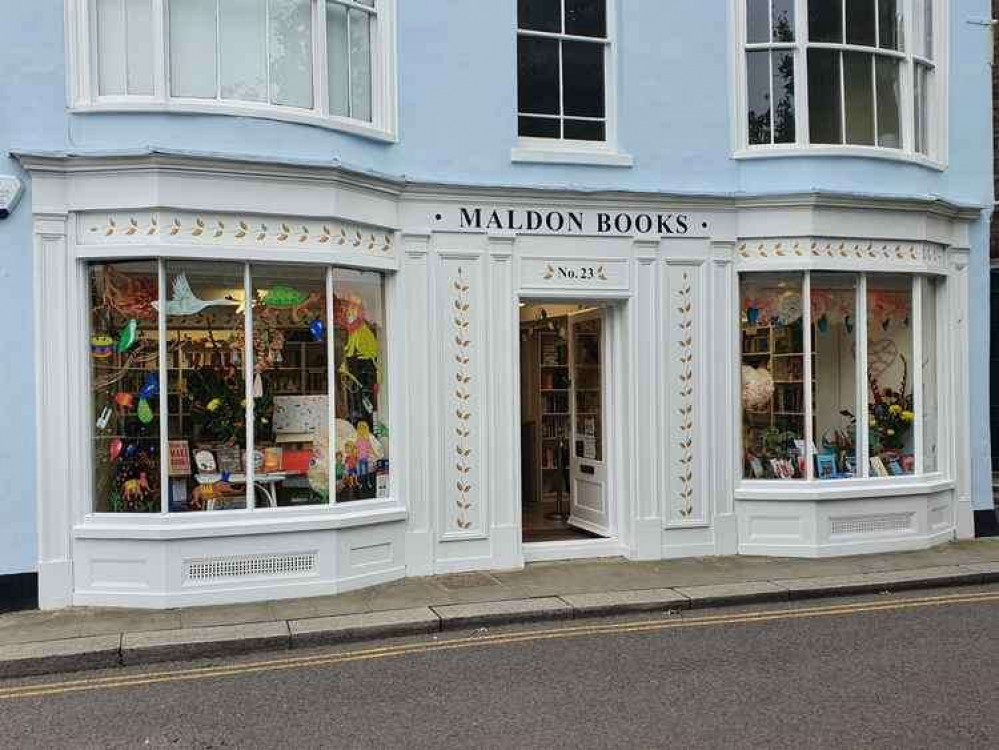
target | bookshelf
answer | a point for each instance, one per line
(553, 404)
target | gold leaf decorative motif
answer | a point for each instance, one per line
(685, 410)
(548, 273)
(460, 300)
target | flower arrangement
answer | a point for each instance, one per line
(890, 413)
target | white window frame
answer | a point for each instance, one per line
(937, 106)
(567, 151)
(83, 70)
(918, 285)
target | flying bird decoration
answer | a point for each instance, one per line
(185, 303)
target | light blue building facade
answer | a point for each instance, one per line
(760, 172)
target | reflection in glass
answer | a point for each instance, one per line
(889, 25)
(859, 84)
(337, 56)
(890, 375)
(586, 17)
(834, 339)
(290, 386)
(243, 49)
(539, 15)
(758, 71)
(824, 96)
(783, 20)
(290, 51)
(360, 65)
(773, 366)
(783, 88)
(757, 21)
(362, 421)
(206, 392)
(538, 75)
(825, 21)
(583, 77)
(859, 22)
(889, 125)
(192, 49)
(124, 381)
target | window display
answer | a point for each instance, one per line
(803, 397)
(773, 376)
(242, 344)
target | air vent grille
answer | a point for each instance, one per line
(212, 569)
(897, 523)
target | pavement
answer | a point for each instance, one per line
(910, 670)
(73, 639)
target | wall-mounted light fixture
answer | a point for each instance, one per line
(10, 193)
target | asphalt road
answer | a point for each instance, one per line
(912, 671)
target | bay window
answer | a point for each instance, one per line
(219, 386)
(840, 73)
(839, 375)
(319, 61)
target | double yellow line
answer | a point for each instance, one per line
(368, 654)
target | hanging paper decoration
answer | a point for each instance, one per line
(124, 400)
(284, 297)
(104, 418)
(101, 346)
(757, 387)
(144, 412)
(317, 329)
(128, 336)
(184, 301)
(114, 447)
(150, 387)
(130, 450)
(130, 296)
(258, 386)
(789, 308)
(361, 341)
(752, 315)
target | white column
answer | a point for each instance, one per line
(56, 327)
(414, 429)
(724, 380)
(957, 297)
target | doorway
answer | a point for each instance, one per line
(563, 421)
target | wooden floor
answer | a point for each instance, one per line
(540, 527)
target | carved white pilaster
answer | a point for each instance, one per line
(958, 259)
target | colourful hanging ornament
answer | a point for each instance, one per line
(752, 315)
(317, 329)
(128, 336)
(114, 448)
(101, 346)
(151, 387)
(361, 341)
(144, 412)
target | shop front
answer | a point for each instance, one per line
(262, 381)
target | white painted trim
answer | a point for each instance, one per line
(554, 153)
(830, 490)
(859, 547)
(573, 550)
(858, 152)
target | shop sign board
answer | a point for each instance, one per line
(561, 221)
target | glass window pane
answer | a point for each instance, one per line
(824, 97)
(834, 343)
(586, 17)
(587, 388)
(922, 23)
(192, 49)
(537, 76)
(890, 375)
(206, 392)
(539, 127)
(757, 21)
(360, 65)
(337, 51)
(290, 52)
(825, 21)
(858, 79)
(124, 381)
(290, 396)
(930, 417)
(889, 126)
(773, 401)
(362, 418)
(539, 15)
(889, 24)
(139, 21)
(860, 22)
(783, 20)
(243, 53)
(758, 99)
(583, 79)
(584, 130)
(783, 88)
(111, 47)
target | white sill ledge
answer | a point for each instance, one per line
(561, 155)
(862, 152)
(225, 523)
(281, 114)
(831, 490)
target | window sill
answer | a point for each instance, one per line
(562, 154)
(831, 490)
(861, 152)
(226, 523)
(196, 107)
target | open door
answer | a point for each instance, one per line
(588, 507)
